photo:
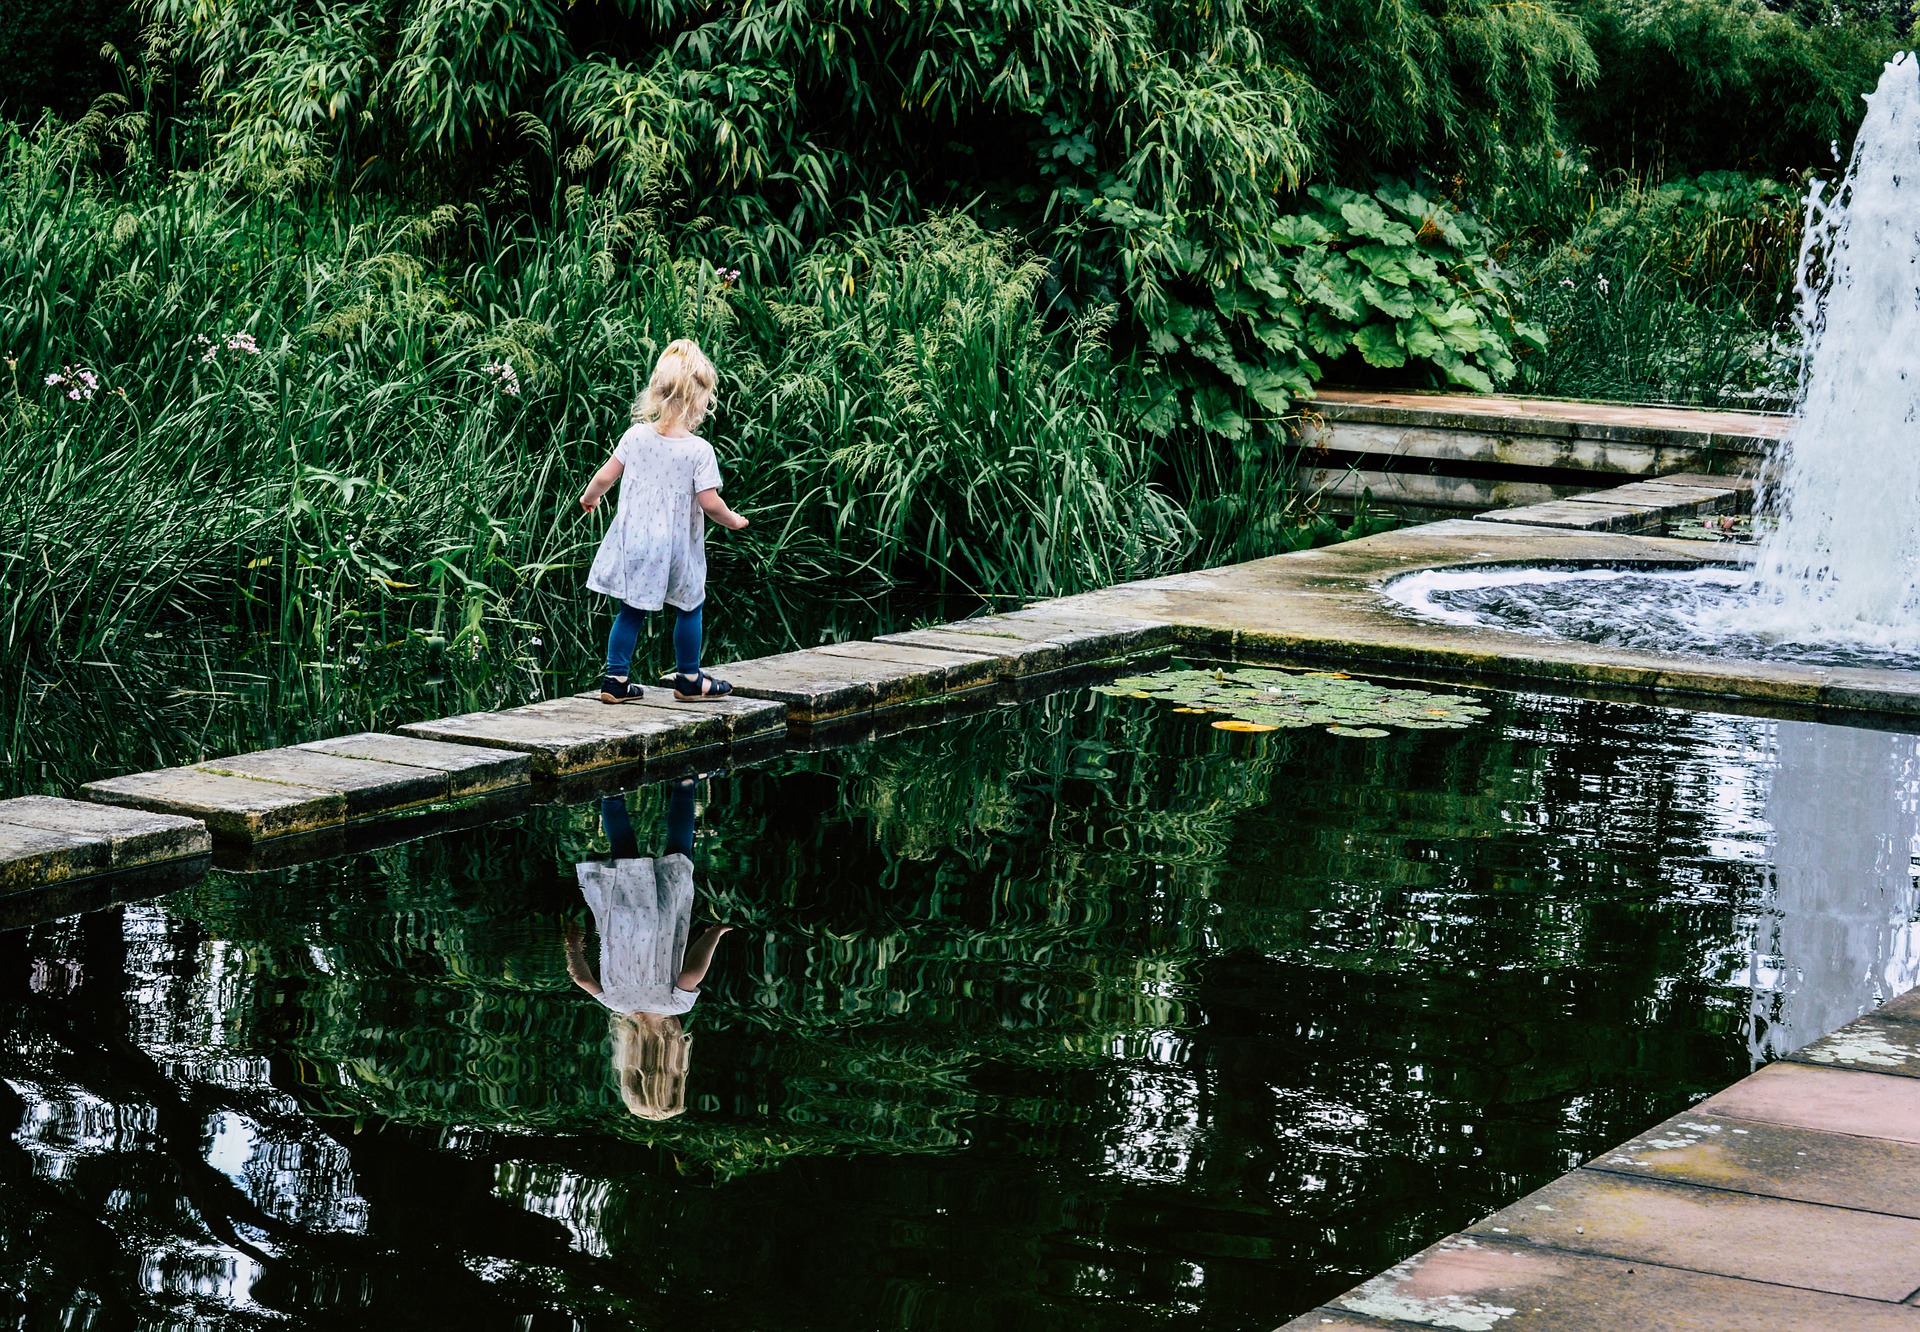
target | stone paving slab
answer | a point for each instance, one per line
(134, 837)
(1839, 1250)
(1050, 636)
(471, 770)
(1773, 1161)
(1831, 1100)
(746, 717)
(1480, 1285)
(240, 808)
(1873, 1044)
(816, 686)
(1583, 515)
(368, 788)
(1012, 658)
(1558, 417)
(566, 736)
(32, 856)
(554, 747)
(955, 670)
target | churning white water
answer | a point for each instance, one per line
(1836, 580)
(1844, 559)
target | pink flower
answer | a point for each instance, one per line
(77, 382)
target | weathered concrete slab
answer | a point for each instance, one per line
(1583, 514)
(1012, 657)
(565, 736)
(954, 670)
(1840, 1250)
(558, 741)
(1773, 1161)
(33, 856)
(816, 686)
(133, 837)
(1678, 428)
(1872, 1044)
(1469, 1282)
(368, 788)
(1430, 490)
(471, 770)
(746, 718)
(1050, 636)
(235, 807)
(1830, 1100)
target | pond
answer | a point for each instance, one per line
(1081, 1013)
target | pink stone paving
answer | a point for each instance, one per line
(1790, 1202)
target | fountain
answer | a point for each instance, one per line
(1836, 580)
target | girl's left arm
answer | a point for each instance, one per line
(602, 482)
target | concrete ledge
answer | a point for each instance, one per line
(562, 737)
(1325, 606)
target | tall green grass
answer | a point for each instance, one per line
(301, 436)
(1677, 292)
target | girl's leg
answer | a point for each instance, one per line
(680, 818)
(686, 640)
(620, 642)
(619, 825)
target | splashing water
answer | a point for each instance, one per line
(1844, 560)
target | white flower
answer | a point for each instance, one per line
(1602, 284)
(243, 342)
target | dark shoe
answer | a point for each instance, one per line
(699, 687)
(620, 691)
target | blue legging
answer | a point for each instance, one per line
(626, 634)
(619, 824)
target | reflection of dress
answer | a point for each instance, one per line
(643, 910)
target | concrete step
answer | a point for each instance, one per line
(303, 788)
(44, 839)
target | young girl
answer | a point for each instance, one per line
(655, 550)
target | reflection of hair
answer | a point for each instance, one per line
(681, 390)
(650, 1061)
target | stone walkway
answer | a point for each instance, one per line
(1790, 1202)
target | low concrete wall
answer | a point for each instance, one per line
(1432, 454)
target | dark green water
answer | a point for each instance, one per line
(1074, 1015)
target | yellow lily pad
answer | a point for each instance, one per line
(1235, 724)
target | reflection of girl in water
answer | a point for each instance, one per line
(649, 975)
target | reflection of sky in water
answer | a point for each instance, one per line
(1319, 998)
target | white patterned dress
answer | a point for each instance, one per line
(655, 551)
(643, 910)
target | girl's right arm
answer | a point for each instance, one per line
(602, 482)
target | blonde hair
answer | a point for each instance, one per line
(682, 388)
(650, 1063)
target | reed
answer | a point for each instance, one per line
(354, 429)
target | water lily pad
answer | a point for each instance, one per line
(1270, 699)
(1235, 724)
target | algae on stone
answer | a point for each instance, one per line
(1253, 698)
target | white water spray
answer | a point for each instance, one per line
(1844, 560)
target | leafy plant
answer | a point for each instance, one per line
(1257, 699)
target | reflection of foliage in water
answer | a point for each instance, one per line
(1253, 698)
(871, 1034)
(1087, 979)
